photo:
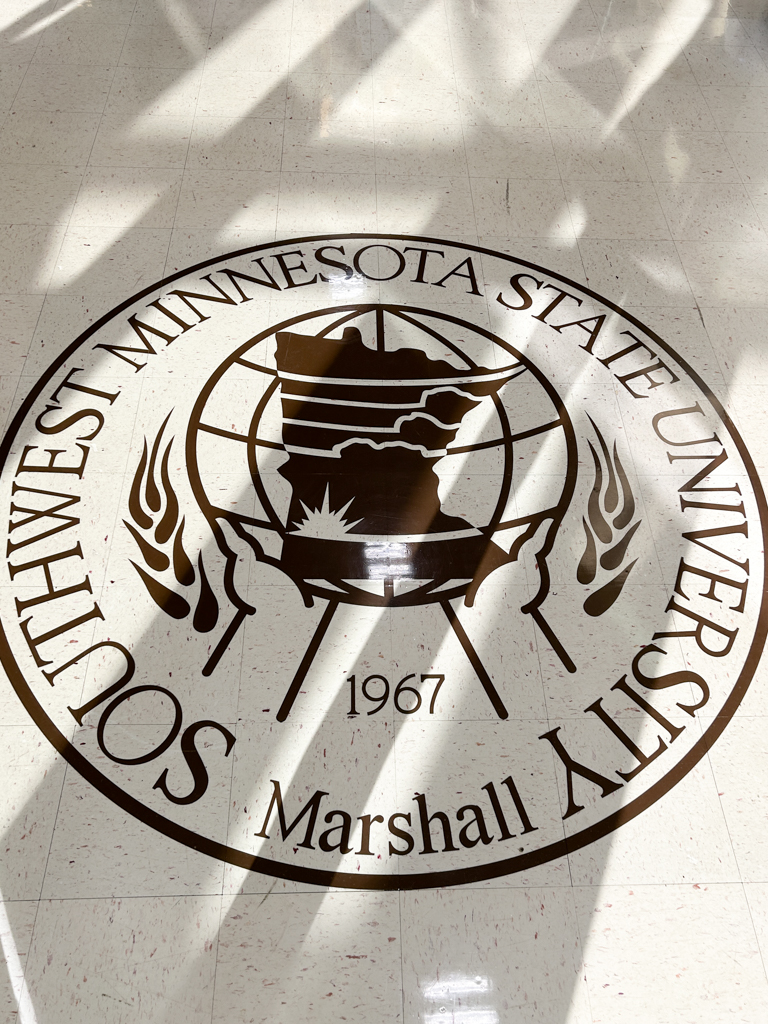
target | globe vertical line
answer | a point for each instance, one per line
(306, 661)
(477, 665)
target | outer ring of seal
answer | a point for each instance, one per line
(420, 880)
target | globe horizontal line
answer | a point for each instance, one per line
(371, 382)
(388, 540)
(508, 524)
(360, 429)
(475, 378)
(336, 451)
(233, 436)
(221, 432)
(223, 513)
(352, 404)
(477, 447)
(256, 366)
(462, 450)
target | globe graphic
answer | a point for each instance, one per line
(389, 454)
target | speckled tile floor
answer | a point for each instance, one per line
(385, 404)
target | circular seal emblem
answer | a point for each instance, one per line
(378, 561)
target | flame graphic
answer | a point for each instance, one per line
(613, 532)
(155, 511)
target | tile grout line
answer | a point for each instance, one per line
(564, 241)
(182, 71)
(172, 235)
(743, 884)
(85, 172)
(25, 992)
(5, 123)
(286, 78)
(462, 125)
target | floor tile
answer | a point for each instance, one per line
(167, 943)
(151, 12)
(351, 199)
(66, 87)
(684, 108)
(144, 141)
(192, 245)
(756, 899)
(502, 56)
(647, 851)
(581, 60)
(559, 195)
(521, 209)
(512, 152)
(397, 98)
(48, 137)
(603, 211)
(167, 46)
(560, 254)
(42, 194)
(718, 30)
(645, 273)
(327, 148)
(211, 197)
(33, 775)
(579, 23)
(451, 969)
(755, 29)
(727, 65)
(639, 67)
(18, 51)
(746, 149)
(587, 105)
(146, 90)
(18, 922)
(91, 257)
(679, 156)
(616, 983)
(227, 93)
(427, 46)
(252, 50)
(97, 43)
(109, 10)
(737, 108)
(344, 50)
(425, 206)
(61, 316)
(11, 77)
(232, 144)
(306, 967)
(590, 156)
(688, 331)
(87, 871)
(415, 149)
(20, 315)
(759, 196)
(127, 196)
(28, 268)
(624, 22)
(329, 98)
(504, 103)
(704, 211)
(721, 273)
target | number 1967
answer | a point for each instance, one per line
(407, 699)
